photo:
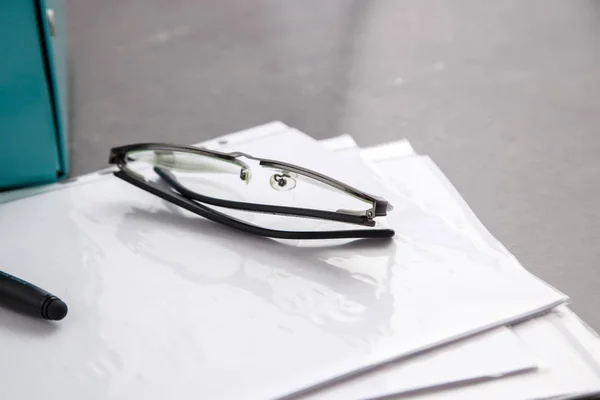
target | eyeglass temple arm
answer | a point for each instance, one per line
(172, 181)
(231, 222)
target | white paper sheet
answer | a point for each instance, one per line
(148, 282)
(449, 203)
(563, 371)
(569, 350)
(489, 354)
(485, 356)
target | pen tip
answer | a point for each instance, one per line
(56, 310)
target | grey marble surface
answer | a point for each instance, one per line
(505, 96)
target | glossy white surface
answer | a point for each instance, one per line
(485, 356)
(163, 303)
(567, 350)
(564, 370)
(491, 355)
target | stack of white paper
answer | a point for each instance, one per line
(568, 352)
(166, 304)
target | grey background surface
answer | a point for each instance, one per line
(505, 97)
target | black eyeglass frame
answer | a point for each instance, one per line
(192, 201)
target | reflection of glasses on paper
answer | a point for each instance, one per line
(345, 291)
(193, 178)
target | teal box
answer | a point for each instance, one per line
(33, 92)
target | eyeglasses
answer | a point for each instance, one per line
(205, 182)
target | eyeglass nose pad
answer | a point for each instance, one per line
(282, 182)
(246, 175)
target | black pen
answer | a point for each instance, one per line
(26, 298)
